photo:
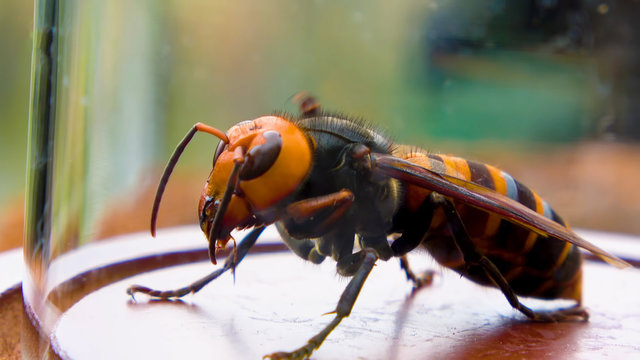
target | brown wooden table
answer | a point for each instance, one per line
(277, 302)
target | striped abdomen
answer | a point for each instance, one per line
(533, 265)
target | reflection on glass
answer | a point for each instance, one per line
(91, 133)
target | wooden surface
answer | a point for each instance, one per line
(277, 302)
(10, 303)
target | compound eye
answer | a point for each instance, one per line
(219, 149)
(206, 212)
(261, 157)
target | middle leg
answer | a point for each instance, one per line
(343, 309)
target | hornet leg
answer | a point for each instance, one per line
(232, 261)
(415, 231)
(473, 257)
(343, 309)
(338, 202)
(300, 215)
(418, 280)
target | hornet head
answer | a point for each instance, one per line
(257, 164)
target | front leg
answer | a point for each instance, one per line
(316, 218)
(337, 203)
(343, 309)
(230, 264)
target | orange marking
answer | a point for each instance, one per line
(531, 238)
(573, 289)
(457, 167)
(539, 205)
(492, 225)
(462, 167)
(414, 195)
(500, 186)
(287, 172)
(563, 255)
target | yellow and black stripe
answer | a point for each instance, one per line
(534, 265)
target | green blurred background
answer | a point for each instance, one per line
(16, 26)
(524, 84)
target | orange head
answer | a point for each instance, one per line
(257, 164)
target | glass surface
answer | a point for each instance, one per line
(116, 84)
(93, 129)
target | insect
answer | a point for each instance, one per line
(336, 187)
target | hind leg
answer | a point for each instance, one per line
(473, 257)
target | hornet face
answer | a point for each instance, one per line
(257, 164)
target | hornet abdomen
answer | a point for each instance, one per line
(534, 265)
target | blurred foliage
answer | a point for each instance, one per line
(517, 71)
(16, 23)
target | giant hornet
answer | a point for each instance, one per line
(335, 187)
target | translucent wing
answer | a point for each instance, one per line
(485, 199)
